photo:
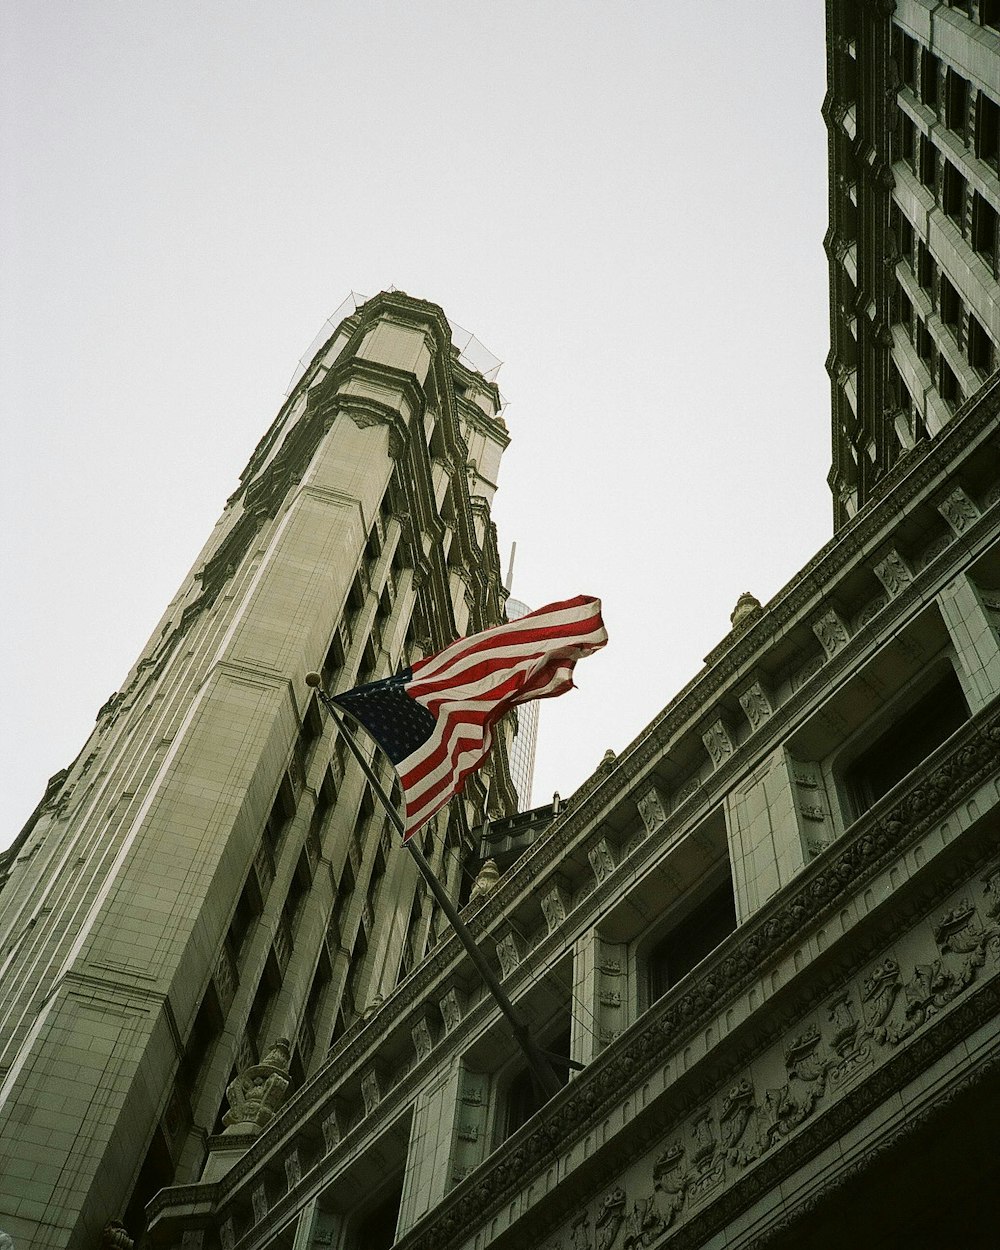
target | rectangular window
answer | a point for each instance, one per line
(984, 228)
(981, 353)
(924, 342)
(523, 1097)
(907, 139)
(953, 194)
(929, 79)
(691, 939)
(988, 130)
(925, 266)
(903, 309)
(956, 109)
(927, 172)
(906, 56)
(951, 392)
(950, 306)
(915, 733)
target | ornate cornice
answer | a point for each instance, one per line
(825, 885)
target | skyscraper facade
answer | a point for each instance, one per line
(211, 886)
(914, 135)
(522, 751)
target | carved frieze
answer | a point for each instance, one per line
(371, 1090)
(420, 1032)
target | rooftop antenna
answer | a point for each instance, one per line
(510, 568)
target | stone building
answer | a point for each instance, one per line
(764, 938)
(210, 888)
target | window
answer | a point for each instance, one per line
(953, 193)
(907, 138)
(981, 352)
(927, 173)
(902, 309)
(924, 343)
(984, 228)
(376, 1230)
(914, 734)
(925, 267)
(906, 58)
(691, 939)
(951, 392)
(988, 130)
(523, 1097)
(929, 68)
(950, 306)
(956, 107)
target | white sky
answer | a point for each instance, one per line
(623, 201)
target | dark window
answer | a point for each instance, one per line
(980, 348)
(270, 983)
(906, 56)
(901, 748)
(377, 1229)
(957, 103)
(248, 907)
(156, 1173)
(924, 343)
(950, 305)
(951, 392)
(929, 79)
(989, 13)
(925, 267)
(692, 938)
(927, 172)
(953, 194)
(903, 309)
(907, 138)
(524, 1097)
(984, 227)
(988, 130)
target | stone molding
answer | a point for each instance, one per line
(822, 886)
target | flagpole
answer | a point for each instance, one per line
(537, 1058)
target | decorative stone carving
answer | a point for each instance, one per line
(580, 1232)
(257, 1093)
(451, 1010)
(893, 573)
(831, 632)
(652, 808)
(795, 1101)
(485, 882)
(293, 1168)
(370, 1090)
(717, 742)
(555, 905)
(114, 1236)
(756, 705)
(508, 953)
(331, 1131)
(708, 1168)
(227, 1235)
(422, 1040)
(610, 1215)
(748, 608)
(258, 1200)
(601, 860)
(193, 1238)
(958, 510)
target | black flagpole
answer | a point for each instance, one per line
(537, 1058)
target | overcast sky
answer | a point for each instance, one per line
(624, 201)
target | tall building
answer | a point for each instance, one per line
(762, 944)
(522, 751)
(210, 885)
(765, 938)
(914, 132)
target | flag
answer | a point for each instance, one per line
(435, 719)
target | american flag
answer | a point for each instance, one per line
(435, 719)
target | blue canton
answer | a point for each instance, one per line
(397, 723)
